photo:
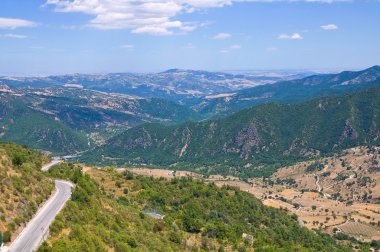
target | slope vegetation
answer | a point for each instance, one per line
(23, 125)
(108, 212)
(23, 187)
(252, 142)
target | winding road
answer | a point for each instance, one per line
(37, 230)
(47, 167)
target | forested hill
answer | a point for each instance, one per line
(109, 211)
(253, 141)
(21, 124)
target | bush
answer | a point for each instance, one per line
(125, 190)
(132, 242)
(7, 236)
(159, 226)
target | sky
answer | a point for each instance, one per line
(40, 37)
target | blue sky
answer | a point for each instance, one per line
(99, 36)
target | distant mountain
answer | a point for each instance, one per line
(252, 142)
(290, 91)
(174, 84)
(65, 120)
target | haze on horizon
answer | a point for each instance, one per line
(105, 36)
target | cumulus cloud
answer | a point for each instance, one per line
(290, 36)
(141, 16)
(222, 36)
(13, 23)
(157, 17)
(329, 27)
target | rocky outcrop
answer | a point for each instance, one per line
(349, 132)
(185, 140)
(246, 139)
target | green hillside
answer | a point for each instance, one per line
(23, 187)
(107, 213)
(37, 130)
(70, 120)
(252, 142)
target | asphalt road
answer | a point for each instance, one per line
(37, 229)
(51, 164)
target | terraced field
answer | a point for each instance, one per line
(360, 229)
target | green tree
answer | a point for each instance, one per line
(7, 236)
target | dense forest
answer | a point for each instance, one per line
(252, 142)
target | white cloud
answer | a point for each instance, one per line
(13, 23)
(224, 51)
(290, 36)
(222, 36)
(153, 17)
(157, 17)
(14, 36)
(329, 27)
(127, 46)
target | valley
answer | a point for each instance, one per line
(283, 166)
(189, 126)
(63, 121)
(253, 142)
(68, 114)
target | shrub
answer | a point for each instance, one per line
(7, 236)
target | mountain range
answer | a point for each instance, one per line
(252, 142)
(67, 120)
(290, 91)
(174, 84)
(68, 114)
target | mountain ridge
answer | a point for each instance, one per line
(253, 141)
(293, 91)
(68, 120)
